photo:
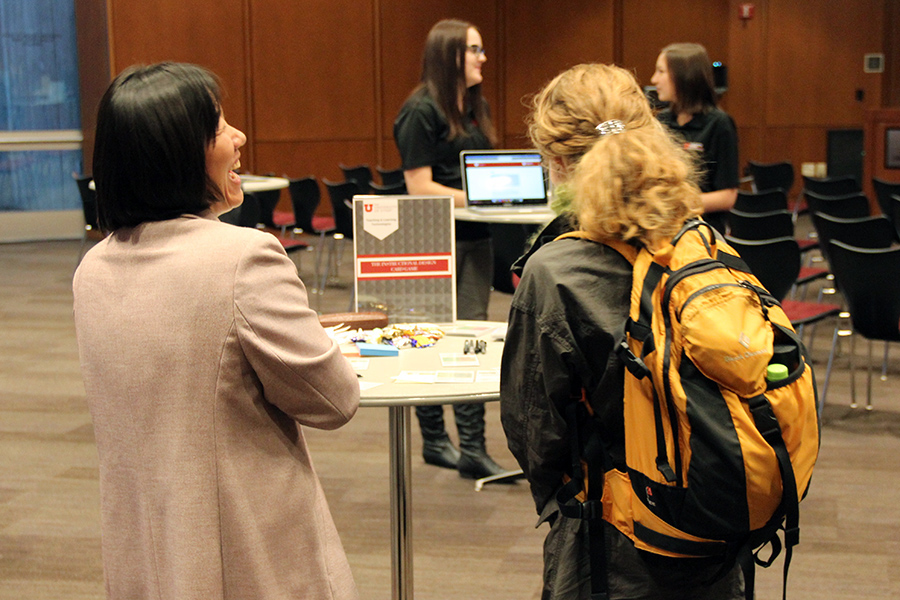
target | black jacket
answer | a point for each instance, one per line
(566, 313)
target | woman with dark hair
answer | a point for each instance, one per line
(684, 78)
(201, 360)
(444, 115)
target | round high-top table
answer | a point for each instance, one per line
(399, 398)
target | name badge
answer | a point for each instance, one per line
(695, 146)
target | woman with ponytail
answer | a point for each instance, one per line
(622, 178)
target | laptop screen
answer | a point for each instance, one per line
(506, 178)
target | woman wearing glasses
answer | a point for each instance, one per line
(444, 115)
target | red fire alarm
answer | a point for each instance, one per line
(747, 11)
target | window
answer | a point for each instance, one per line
(40, 137)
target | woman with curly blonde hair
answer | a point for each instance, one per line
(617, 176)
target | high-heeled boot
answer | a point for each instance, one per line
(437, 449)
(474, 462)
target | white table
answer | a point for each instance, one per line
(399, 398)
(261, 183)
(537, 216)
(250, 183)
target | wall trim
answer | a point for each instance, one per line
(40, 226)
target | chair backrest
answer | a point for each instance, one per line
(767, 176)
(831, 186)
(390, 176)
(305, 198)
(761, 226)
(867, 278)
(847, 206)
(863, 232)
(760, 202)
(341, 195)
(895, 212)
(883, 192)
(249, 210)
(775, 262)
(388, 189)
(88, 201)
(361, 174)
(268, 200)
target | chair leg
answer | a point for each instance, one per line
(869, 378)
(853, 403)
(884, 362)
(824, 394)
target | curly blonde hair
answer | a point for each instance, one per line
(637, 186)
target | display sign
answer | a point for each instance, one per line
(405, 264)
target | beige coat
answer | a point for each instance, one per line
(201, 359)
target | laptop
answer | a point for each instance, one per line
(504, 180)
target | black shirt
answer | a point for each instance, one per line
(421, 132)
(714, 136)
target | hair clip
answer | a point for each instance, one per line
(610, 127)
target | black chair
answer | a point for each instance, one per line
(847, 206)
(305, 199)
(883, 192)
(361, 174)
(269, 215)
(863, 232)
(388, 189)
(867, 277)
(390, 176)
(341, 196)
(760, 225)
(771, 225)
(831, 186)
(895, 211)
(89, 209)
(767, 176)
(776, 263)
(250, 216)
(769, 200)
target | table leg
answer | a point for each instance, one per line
(401, 503)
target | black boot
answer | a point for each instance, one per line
(437, 449)
(474, 462)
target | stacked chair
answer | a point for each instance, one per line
(867, 278)
(305, 199)
(888, 195)
(772, 224)
(359, 174)
(341, 195)
(256, 211)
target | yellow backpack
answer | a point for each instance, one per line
(721, 421)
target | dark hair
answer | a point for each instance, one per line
(691, 72)
(444, 75)
(154, 126)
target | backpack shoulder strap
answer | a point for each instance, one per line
(627, 251)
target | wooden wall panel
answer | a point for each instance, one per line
(319, 158)
(314, 83)
(93, 68)
(746, 59)
(650, 25)
(543, 39)
(313, 70)
(815, 61)
(206, 32)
